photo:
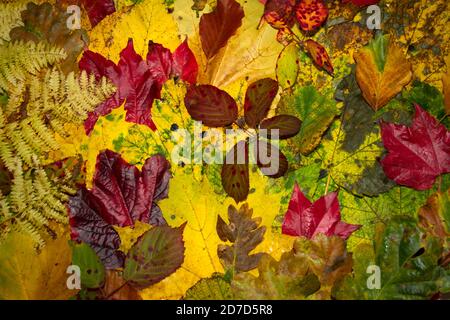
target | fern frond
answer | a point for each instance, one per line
(10, 17)
(19, 59)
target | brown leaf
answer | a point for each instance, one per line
(327, 257)
(218, 26)
(48, 23)
(380, 82)
(116, 288)
(287, 125)
(212, 106)
(268, 163)
(235, 176)
(432, 216)
(245, 233)
(258, 99)
(446, 85)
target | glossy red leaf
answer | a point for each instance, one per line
(219, 25)
(159, 61)
(311, 14)
(123, 193)
(137, 86)
(287, 125)
(235, 175)
(307, 219)
(87, 225)
(280, 13)
(416, 154)
(319, 55)
(184, 63)
(258, 99)
(212, 106)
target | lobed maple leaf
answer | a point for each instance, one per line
(307, 219)
(416, 154)
(138, 81)
(121, 194)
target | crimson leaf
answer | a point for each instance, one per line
(417, 154)
(124, 194)
(212, 106)
(307, 219)
(184, 63)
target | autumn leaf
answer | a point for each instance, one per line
(156, 254)
(382, 70)
(288, 278)
(328, 259)
(270, 160)
(314, 110)
(311, 14)
(213, 288)
(319, 55)
(219, 25)
(406, 272)
(96, 10)
(45, 22)
(279, 13)
(446, 85)
(92, 269)
(212, 106)
(116, 288)
(434, 217)
(235, 176)
(30, 275)
(288, 65)
(258, 99)
(124, 194)
(417, 154)
(288, 126)
(245, 233)
(307, 219)
(139, 81)
(88, 226)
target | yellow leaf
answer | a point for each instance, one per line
(26, 274)
(251, 52)
(379, 80)
(198, 204)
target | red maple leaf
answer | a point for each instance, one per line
(138, 81)
(307, 219)
(121, 195)
(417, 154)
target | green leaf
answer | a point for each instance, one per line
(406, 272)
(156, 254)
(379, 48)
(92, 269)
(212, 288)
(315, 111)
(288, 66)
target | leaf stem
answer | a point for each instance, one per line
(116, 290)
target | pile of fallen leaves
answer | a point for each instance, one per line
(358, 207)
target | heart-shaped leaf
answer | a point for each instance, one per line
(258, 99)
(156, 254)
(235, 176)
(212, 106)
(219, 25)
(287, 125)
